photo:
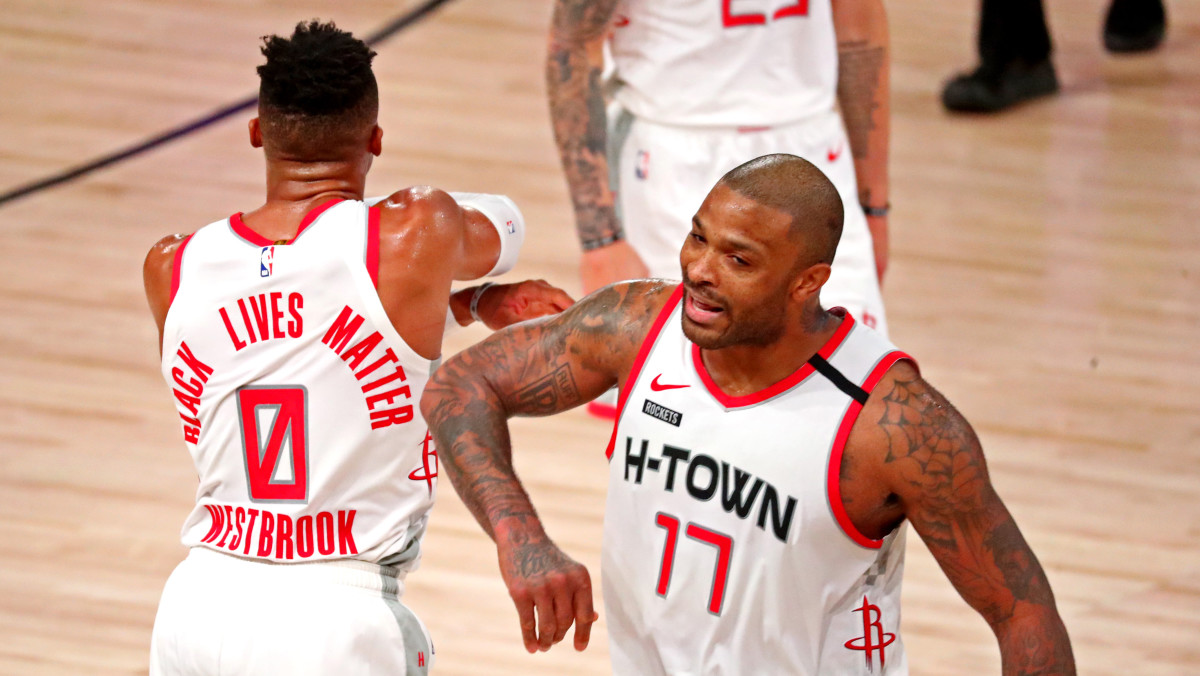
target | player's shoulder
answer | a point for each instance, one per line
(906, 418)
(418, 200)
(419, 211)
(634, 297)
(626, 308)
(162, 253)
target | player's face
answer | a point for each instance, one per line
(738, 266)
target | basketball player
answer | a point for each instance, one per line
(297, 339)
(697, 87)
(767, 457)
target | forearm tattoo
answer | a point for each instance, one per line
(968, 529)
(860, 76)
(573, 84)
(531, 368)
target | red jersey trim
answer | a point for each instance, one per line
(640, 361)
(372, 260)
(176, 267)
(797, 376)
(313, 215)
(242, 230)
(833, 483)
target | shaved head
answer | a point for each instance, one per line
(795, 187)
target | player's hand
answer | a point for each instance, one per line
(616, 262)
(504, 304)
(550, 590)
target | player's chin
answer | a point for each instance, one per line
(707, 337)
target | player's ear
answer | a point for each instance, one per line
(376, 142)
(809, 282)
(255, 133)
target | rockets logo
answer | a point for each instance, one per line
(874, 638)
(266, 261)
(426, 472)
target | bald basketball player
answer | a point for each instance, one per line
(768, 456)
(297, 339)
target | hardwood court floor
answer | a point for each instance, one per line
(1044, 270)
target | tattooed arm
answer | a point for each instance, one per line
(539, 367)
(573, 68)
(928, 462)
(865, 99)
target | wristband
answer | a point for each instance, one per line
(475, 300)
(601, 242)
(877, 211)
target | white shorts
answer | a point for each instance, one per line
(661, 174)
(221, 614)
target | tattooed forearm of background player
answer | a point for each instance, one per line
(969, 530)
(860, 72)
(577, 114)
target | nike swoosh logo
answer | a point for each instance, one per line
(621, 22)
(658, 387)
(833, 155)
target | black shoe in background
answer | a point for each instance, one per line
(1134, 25)
(989, 90)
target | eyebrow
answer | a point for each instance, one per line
(735, 243)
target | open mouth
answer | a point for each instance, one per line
(700, 311)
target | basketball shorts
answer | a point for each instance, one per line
(221, 614)
(661, 174)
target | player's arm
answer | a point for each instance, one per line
(864, 62)
(574, 64)
(428, 238)
(157, 273)
(932, 462)
(539, 367)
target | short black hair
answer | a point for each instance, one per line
(316, 91)
(796, 187)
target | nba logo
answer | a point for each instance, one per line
(266, 261)
(642, 168)
(510, 227)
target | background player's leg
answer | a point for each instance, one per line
(1014, 59)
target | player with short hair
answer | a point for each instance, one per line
(297, 339)
(767, 457)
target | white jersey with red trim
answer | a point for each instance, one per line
(726, 546)
(724, 62)
(299, 400)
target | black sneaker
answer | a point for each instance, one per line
(987, 91)
(1134, 25)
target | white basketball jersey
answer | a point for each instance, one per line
(724, 62)
(727, 549)
(299, 400)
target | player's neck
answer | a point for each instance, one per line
(744, 369)
(301, 183)
(296, 188)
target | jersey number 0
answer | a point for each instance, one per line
(274, 422)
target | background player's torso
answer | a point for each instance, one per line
(722, 553)
(725, 62)
(298, 399)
